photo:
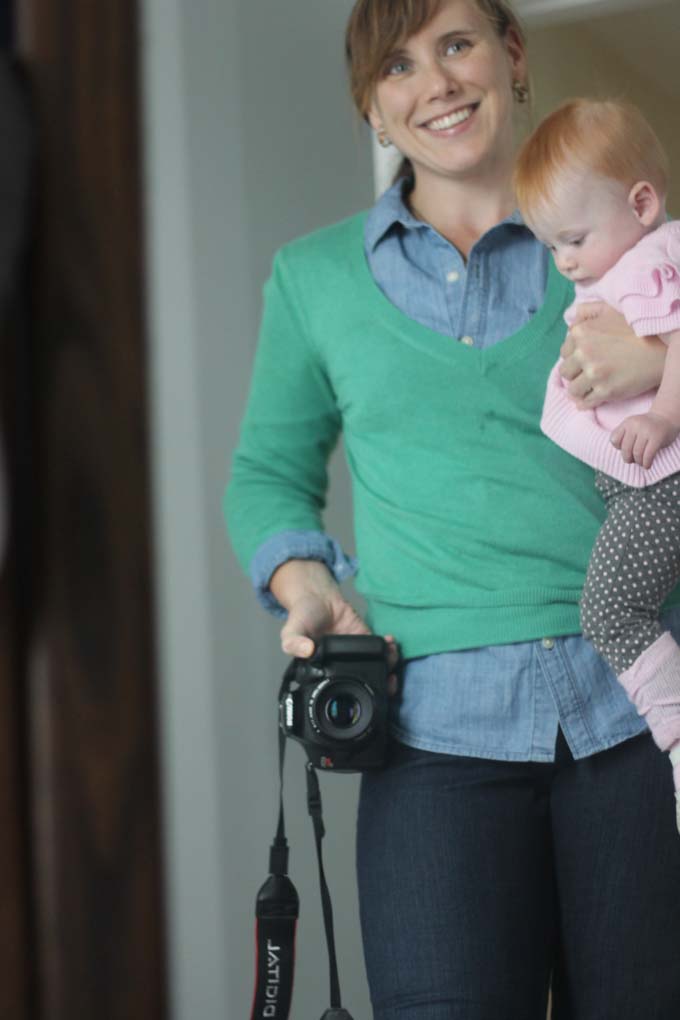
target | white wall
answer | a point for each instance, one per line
(250, 141)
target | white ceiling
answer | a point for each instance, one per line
(540, 11)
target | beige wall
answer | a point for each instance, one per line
(619, 55)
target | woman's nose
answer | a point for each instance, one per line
(439, 81)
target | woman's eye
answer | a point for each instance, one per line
(398, 67)
(457, 46)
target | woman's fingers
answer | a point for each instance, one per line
(576, 368)
(308, 618)
(575, 345)
(591, 310)
(392, 650)
(297, 645)
(392, 660)
(583, 389)
(312, 616)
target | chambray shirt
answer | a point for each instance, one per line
(503, 702)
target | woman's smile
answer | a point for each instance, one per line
(444, 124)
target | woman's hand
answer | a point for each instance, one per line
(315, 605)
(313, 615)
(605, 360)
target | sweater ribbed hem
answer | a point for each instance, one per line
(581, 435)
(426, 631)
(449, 629)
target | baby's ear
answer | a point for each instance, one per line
(644, 202)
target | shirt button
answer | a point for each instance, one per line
(467, 340)
(548, 643)
(453, 276)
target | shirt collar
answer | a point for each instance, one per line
(391, 209)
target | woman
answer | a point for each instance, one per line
(521, 827)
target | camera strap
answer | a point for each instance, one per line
(315, 811)
(276, 913)
(277, 910)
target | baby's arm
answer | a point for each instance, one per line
(640, 437)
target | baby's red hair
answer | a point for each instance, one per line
(606, 137)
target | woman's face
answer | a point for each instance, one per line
(445, 98)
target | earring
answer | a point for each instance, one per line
(520, 91)
(383, 139)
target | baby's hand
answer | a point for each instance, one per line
(640, 437)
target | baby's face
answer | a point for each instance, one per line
(588, 226)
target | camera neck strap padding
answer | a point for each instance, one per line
(277, 909)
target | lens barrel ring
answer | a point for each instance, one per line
(354, 697)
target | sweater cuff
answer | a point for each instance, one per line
(296, 545)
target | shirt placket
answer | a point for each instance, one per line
(470, 322)
(452, 270)
(555, 666)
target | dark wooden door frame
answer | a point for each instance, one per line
(16, 962)
(79, 690)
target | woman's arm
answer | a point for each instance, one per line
(279, 473)
(605, 360)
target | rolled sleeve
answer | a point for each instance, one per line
(296, 545)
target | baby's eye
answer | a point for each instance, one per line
(577, 241)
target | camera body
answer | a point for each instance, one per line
(336, 703)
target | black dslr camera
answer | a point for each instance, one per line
(335, 703)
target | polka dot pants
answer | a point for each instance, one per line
(634, 565)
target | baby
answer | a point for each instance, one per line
(591, 184)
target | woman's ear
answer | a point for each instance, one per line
(645, 203)
(374, 118)
(517, 54)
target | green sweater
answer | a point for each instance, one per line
(472, 528)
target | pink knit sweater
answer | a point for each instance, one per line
(644, 286)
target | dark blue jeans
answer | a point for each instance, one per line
(483, 882)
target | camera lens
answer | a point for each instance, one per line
(343, 710)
